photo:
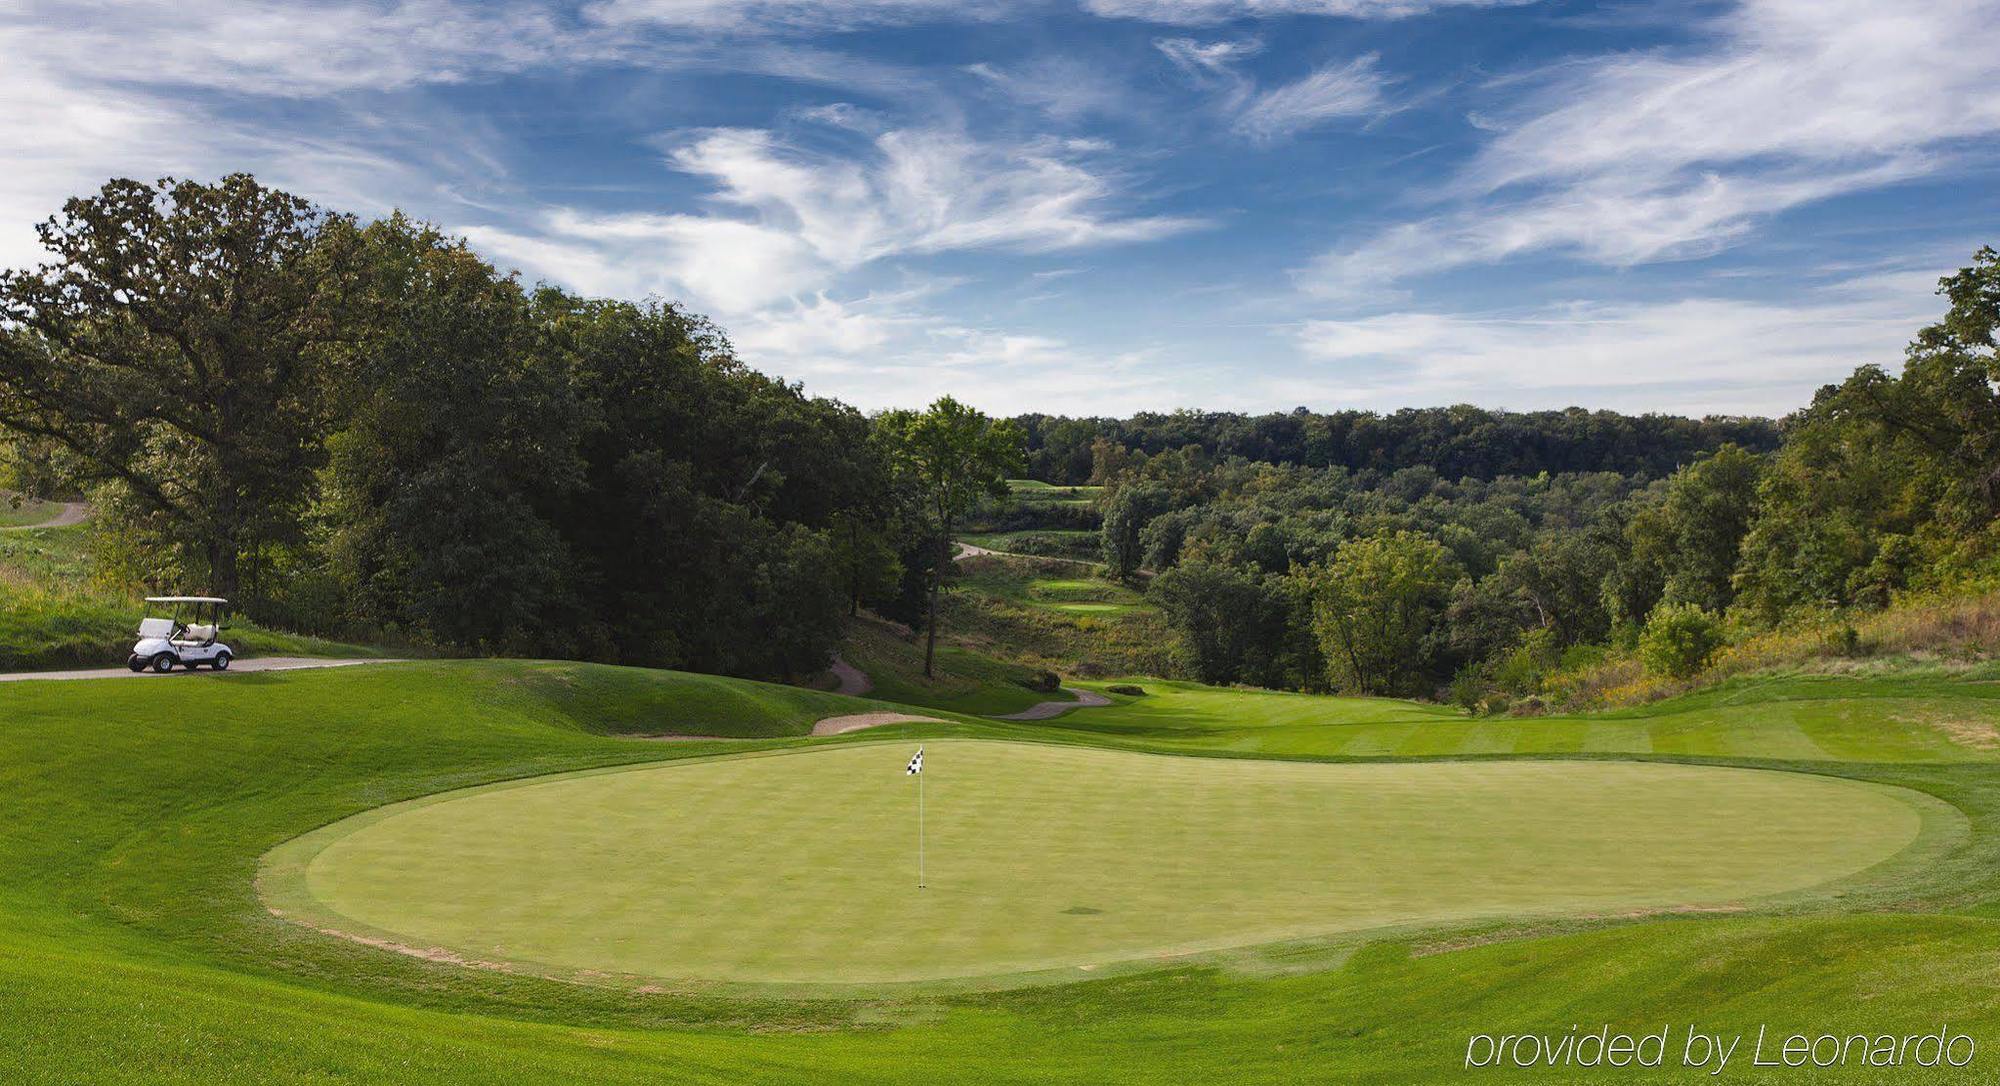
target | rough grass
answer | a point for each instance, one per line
(964, 680)
(1953, 633)
(133, 947)
(999, 609)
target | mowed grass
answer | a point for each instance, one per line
(1036, 492)
(1811, 719)
(1052, 858)
(135, 949)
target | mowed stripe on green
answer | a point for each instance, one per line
(1047, 857)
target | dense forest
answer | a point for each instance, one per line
(1415, 580)
(364, 430)
(1461, 442)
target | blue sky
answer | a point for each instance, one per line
(1102, 206)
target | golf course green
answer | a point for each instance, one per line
(1044, 857)
(143, 821)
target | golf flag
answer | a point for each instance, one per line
(916, 769)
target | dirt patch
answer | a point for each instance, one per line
(429, 954)
(836, 725)
(1959, 728)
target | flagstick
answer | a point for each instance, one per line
(920, 831)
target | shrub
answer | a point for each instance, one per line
(1467, 690)
(1042, 682)
(1845, 641)
(1680, 639)
(1128, 690)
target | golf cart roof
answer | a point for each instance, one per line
(185, 599)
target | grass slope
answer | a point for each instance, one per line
(963, 680)
(1887, 720)
(133, 947)
(1048, 614)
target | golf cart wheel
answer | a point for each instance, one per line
(163, 663)
(221, 662)
(136, 663)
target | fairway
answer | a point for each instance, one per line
(800, 867)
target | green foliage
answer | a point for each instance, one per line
(1467, 690)
(1126, 514)
(1461, 441)
(1376, 611)
(179, 344)
(1680, 639)
(388, 439)
(946, 459)
(1206, 603)
(1888, 482)
(1686, 548)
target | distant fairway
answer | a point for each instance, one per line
(800, 867)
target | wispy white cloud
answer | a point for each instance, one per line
(789, 220)
(1694, 354)
(1355, 88)
(287, 50)
(1663, 155)
(765, 16)
(1209, 12)
(1063, 87)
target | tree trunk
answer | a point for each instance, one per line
(937, 581)
(222, 575)
(930, 630)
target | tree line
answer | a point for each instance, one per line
(1423, 581)
(1457, 442)
(363, 429)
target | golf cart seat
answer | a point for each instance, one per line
(199, 634)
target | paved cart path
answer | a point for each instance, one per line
(853, 681)
(261, 663)
(1085, 699)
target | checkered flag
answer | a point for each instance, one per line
(916, 765)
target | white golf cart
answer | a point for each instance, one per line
(188, 638)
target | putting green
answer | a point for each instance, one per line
(801, 867)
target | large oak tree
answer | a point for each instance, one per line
(175, 342)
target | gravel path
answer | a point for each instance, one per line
(1085, 699)
(261, 663)
(853, 681)
(72, 513)
(967, 550)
